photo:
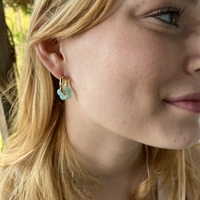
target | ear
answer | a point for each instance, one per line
(48, 52)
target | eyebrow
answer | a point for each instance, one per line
(194, 2)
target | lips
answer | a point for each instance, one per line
(189, 102)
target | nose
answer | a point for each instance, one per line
(193, 48)
(193, 65)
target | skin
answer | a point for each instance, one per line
(121, 73)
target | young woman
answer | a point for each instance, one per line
(109, 103)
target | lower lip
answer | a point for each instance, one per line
(191, 106)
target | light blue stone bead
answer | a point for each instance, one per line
(66, 94)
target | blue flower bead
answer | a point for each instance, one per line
(66, 94)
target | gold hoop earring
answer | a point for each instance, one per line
(64, 91)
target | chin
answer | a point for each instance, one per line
(175, 142)
(181, 144)
(180, 138)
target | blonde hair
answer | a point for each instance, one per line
(37, 162)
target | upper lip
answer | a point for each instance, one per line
(187, 97)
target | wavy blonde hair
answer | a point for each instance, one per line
(37, 163)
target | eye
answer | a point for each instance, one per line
(168, 18)
(170, 15)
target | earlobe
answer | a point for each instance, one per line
(49, 54)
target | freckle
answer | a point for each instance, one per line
(175, 141)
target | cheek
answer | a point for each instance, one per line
(105, 54)
(114, 71)
(113, 79)
(118, 74)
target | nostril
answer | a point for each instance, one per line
(197, 70)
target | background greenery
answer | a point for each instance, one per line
(0, 142)
(25, 5)
(17, 16)
(17, 21)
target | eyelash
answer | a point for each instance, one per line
(175, 12)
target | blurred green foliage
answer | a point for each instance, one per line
(0, 143)
(24, 5)
(17, 21)
(17, 16)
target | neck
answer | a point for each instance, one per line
(105, 154)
